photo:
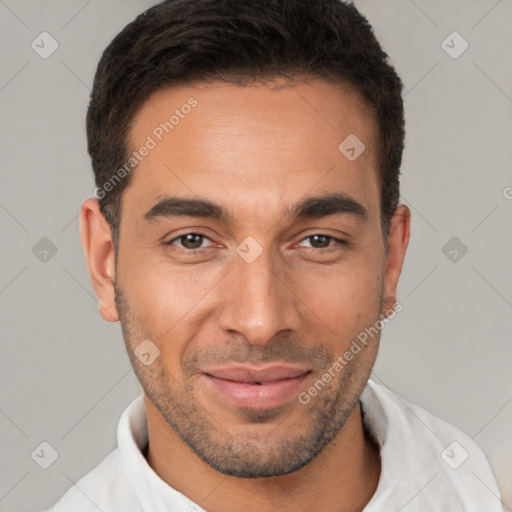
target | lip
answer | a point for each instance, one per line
(257, 387)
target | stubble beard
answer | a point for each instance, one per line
(249, 451)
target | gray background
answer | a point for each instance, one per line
(65, 377)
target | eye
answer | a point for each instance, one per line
(190, 241)
(319, 241)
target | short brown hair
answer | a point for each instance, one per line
(186, 41)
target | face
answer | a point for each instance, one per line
(251, 256)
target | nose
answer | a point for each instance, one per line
(257, 300)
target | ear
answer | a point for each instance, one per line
(99, 252)
(398, 240)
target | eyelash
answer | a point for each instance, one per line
(192, 252)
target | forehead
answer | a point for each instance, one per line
(253, 146)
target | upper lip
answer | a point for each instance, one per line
(261, 373)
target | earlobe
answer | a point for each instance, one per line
(398, 240)
(99, 252)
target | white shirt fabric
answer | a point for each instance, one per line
(427, 465)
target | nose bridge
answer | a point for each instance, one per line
(256, 302)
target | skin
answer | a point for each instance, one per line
(255, 151)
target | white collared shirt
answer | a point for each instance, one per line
(426, 465)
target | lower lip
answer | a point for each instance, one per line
(258, 396)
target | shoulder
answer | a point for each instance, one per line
(105, 488)
(425, 458)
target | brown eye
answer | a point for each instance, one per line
(190, 241)
(320, 241)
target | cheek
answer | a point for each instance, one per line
(164, 294)
(345, 299)
(170, 305)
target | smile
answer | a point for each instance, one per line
(256, 388)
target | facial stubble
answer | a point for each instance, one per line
(265, 443)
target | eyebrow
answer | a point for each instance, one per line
(309, 208)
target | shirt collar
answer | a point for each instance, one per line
(132, 438)
(154, 494)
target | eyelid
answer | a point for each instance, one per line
(337, 241)
(193, 232)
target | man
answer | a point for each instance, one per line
(246, 233)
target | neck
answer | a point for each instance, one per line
(342, 478)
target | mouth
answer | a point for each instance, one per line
(257, 387)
